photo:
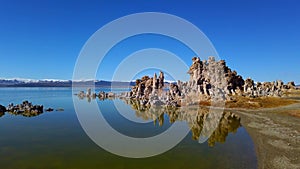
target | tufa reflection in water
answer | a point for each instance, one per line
(209, 124)
(27, 113)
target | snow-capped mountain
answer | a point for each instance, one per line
(20, 82)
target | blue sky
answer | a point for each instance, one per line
(42, 39)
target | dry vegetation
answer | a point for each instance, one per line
(261, 102)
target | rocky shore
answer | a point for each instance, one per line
(275, 135)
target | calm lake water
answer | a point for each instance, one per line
(57, 140)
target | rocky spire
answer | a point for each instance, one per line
(155, 81)
(161, 80)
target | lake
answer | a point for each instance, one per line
(57, 140)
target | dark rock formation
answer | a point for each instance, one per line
(49, 109)
(26, 109)
(2, 109)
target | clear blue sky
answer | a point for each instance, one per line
(42, 39)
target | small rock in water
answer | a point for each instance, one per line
(60, 109)
(49, 109)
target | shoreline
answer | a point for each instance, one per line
(275, 136)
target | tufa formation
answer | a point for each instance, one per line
(210, 80)
(215, 79)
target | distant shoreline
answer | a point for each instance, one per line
(87, 86)
(69, 83)
(46, 83)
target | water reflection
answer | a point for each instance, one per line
(56, 139)
(2, 114)
(209, 124)
(26, 113)
(93, 97)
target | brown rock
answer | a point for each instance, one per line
(161, 80)
(291, 85)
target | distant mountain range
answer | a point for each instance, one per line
(61, 83)
(65, 83)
